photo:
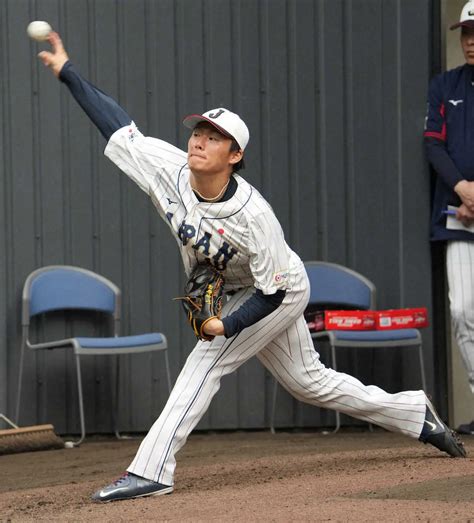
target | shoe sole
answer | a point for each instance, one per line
(160, 492)
(452, 443)
(455, 444)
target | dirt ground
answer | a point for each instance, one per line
(251, 476)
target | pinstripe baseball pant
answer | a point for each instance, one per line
(460, 271)
(282, 342)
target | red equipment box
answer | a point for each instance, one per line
(340, 320)
(401, 319)
(414, 318)
(349, 320)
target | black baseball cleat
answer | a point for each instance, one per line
(440, 435)
(131, 486)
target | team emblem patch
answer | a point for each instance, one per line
(132, 133)
(281, 276)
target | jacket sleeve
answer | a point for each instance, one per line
(435, 136)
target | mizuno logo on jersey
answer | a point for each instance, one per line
(455, 102)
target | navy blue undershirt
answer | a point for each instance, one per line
(254, 309)
(109, 117)
(104, 111)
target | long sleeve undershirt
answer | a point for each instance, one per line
(104, 111)
(108, 117)
(254, 309)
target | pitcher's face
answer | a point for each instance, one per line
(209, 151)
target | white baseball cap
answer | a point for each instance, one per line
(467, 16)
(225, 121)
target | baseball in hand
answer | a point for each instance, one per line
(38, 30)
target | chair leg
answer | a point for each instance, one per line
(115, 401)
(422, 368)
(273, 408)
(115, 404)
(20, 381)
(81, 404)
(168, 375)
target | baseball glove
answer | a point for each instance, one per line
(203, 298)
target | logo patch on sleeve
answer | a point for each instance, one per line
(132, 133)
(281, 276)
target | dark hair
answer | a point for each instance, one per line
(240, 165)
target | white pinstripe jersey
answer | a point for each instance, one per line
(241, 236)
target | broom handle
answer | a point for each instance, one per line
(9, 421)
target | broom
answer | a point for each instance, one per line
(27, 439)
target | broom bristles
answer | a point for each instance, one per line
(27, 439)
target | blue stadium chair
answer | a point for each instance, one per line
(68, 288)
(334, 286)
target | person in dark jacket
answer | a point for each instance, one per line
(449, 143)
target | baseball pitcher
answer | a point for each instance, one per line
(221, 222)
